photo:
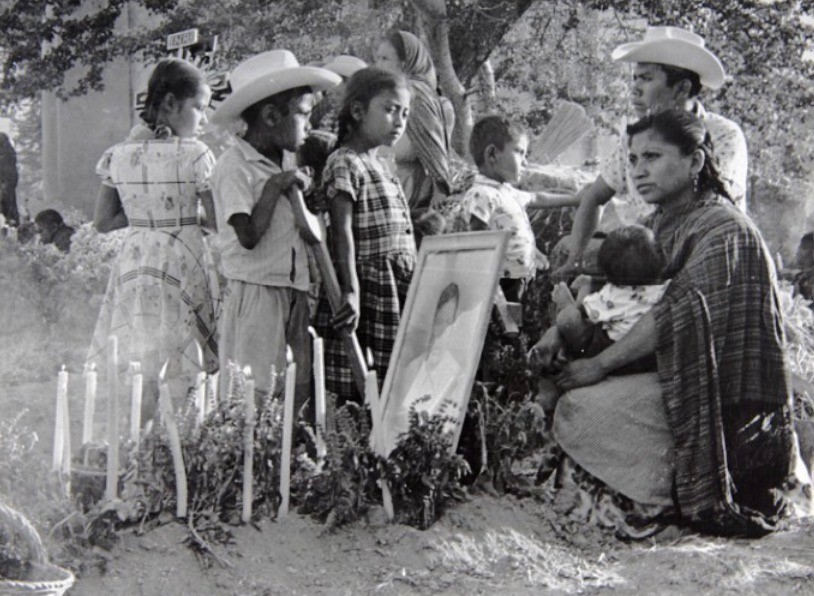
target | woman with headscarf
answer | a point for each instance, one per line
(422, 155)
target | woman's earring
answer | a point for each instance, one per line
(695, 184)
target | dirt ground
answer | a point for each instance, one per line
(486, 545)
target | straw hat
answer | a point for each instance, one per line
(344, 65)
(675, 47)
(267, 74)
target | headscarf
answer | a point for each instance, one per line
(425, 126)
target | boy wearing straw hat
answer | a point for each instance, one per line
(264, 258)
(671, 65)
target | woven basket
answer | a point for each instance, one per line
(46, 578)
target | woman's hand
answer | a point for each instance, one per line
(545, 354)
(346, 319)
(580, 373)
(561, 296)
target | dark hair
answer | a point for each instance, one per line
(676, 74)
(631, 256)
(49, 216)
(448, 294)
(492, 130)
(362, 87)
(281, 101)
(175, 76)
(687, 132)
(807, 241)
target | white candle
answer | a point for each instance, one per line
(112, 484)
(90, 403)
(66, 442)
(248, 447)
(212, 392)
(165, 407)
(288, 423)
(136, 391)
(377, 440)
(319, 392)
(59, 420)
(200, 397)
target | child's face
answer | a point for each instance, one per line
(385, 119)
(187, 117)
(290, 130)
(506, 165)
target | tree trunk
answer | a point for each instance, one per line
(461, 40)
(487, 96)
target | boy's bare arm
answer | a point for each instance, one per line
(250, 228)
(591, 199)
(547, 199)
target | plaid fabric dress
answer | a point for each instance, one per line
(163, 296)
(385, 259)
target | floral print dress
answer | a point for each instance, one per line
(162, 298)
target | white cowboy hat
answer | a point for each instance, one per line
(675, 47)
(344, 65)
(265, 75)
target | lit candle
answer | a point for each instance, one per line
(288, 423)
(248, 446)
(319, 391)
(165, 407)
(136, 391)
(59, 420)
(112, 484)
(90, 403)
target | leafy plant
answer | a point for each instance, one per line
(423, 473)
(341, 488)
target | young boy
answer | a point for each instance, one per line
(498, 147)
(264, 258)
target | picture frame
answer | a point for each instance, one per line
(443, 326)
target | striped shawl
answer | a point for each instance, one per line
(723, 370)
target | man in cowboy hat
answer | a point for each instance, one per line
(264, 258)
(671, 65)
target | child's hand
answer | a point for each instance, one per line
(540, 260)
(282, 182)
(562, 296)
(546, 354)
(346, 319)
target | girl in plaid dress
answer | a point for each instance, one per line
(372, 236)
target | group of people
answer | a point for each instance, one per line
(700, 424)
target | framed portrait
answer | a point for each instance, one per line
(443, 326)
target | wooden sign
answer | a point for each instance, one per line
(182, 39)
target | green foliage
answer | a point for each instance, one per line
(342, 488)
(513, 428)
(422, 471)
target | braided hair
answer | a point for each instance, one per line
(175, 76)
(687, 132)
(361, 88)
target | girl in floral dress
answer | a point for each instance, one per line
(162, 298)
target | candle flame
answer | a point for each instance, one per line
(289, 355)
(247, 372)
(369, 355)
(63, 368)
(163, 373)
(313, 332)
(89, 367)
(135, 368)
